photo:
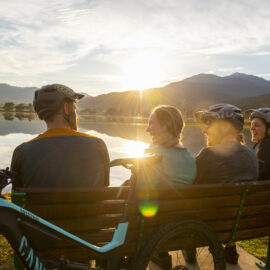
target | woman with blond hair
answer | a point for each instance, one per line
(178, 166)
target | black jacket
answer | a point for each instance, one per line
(263, 154)
(226, 163)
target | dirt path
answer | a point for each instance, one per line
(246, 261)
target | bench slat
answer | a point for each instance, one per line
(117, 207)
(86, 212)
(40, 196)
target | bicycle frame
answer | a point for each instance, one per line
(22, 245)
(13, 217)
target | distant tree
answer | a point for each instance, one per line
(8, 116)
(8, 106)
(146, 113)
(20, 107)
(30, 107)
(112, 111)
(92, 111)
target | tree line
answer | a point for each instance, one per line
(21, 107)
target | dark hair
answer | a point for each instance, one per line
(267, 127)
(171, 117)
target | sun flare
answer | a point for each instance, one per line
(135, 148)
(142, 72)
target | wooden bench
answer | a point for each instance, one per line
(93, 214)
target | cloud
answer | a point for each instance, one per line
(38, 37)
(265, 75)
(262, 53)
(229, 69)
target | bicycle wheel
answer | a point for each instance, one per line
(182, 245)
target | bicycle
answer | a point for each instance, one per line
(28, 233)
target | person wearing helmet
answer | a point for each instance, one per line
(260, 131)
(61, 156)
(224, 159)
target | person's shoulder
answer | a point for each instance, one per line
(92, 138)
(82, 134)
(246, 149)
(18, 148)
(265, 143)
(205, 151)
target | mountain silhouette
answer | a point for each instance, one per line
(189, 94)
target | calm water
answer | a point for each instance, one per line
(122, 140)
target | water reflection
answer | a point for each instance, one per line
(10, 116)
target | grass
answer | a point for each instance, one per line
(256, 247)
(6, 254)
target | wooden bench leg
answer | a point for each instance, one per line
(265, 266)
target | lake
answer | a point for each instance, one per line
(122, 140)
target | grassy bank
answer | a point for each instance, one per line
(256, 247)
(6, 254)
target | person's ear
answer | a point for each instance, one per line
(66, 108)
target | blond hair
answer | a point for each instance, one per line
(171, 117)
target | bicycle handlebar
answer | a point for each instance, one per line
(131, 162)
(5, 175)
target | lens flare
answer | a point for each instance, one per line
(148, 208)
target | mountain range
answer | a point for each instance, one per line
(16, 94)
(189, 94)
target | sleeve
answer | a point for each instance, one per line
(16, 166)
(202, 165)
(263, 155)
(106, 162)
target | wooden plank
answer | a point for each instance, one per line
(78, 209)
(106, 221)
(111, 193)
(114, 207)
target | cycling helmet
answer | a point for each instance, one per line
(222, 111)
(263, 113)
(49, 98)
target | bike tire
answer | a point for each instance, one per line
(151, 248)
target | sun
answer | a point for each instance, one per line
(135, 148)
(141, 72)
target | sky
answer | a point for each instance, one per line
(99, 46)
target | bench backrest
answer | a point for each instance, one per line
(94, 214)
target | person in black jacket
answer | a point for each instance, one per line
(225, 159)
(61, 157)
(260, 131)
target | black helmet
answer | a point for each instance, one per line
(49, 98)
(222, 111)
(263, 113)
